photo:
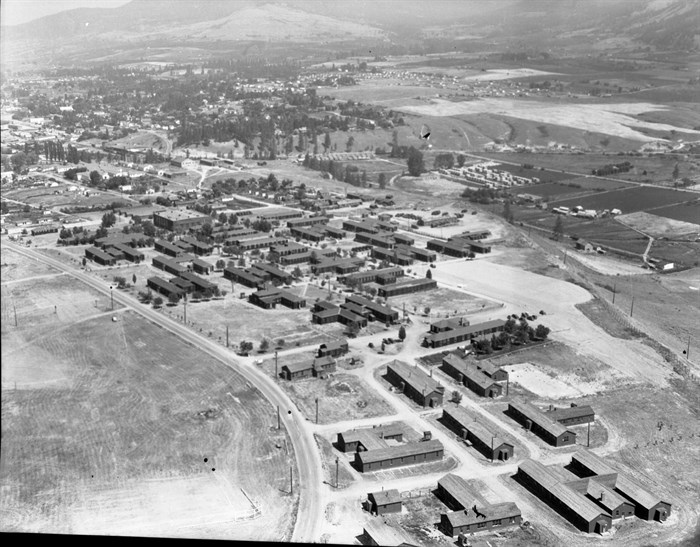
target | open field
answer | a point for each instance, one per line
(46, 198)
(660, 226)
(546, 190)
(629, 200)
(252, 323)
(616, 119)
(578, 185)
(340, 397)
(16, 266)
(136, 427)
(442, 303)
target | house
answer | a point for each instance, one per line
(572, 415)
(201, 266)
(454, 492)
(415, 383)
(358, 440)
(397, 456)
(575, 507)
(101, 257)
(469, 375)
(647, 506)
(323, 366)
(129, 253)
(585, 246)
(480, 519)
(296, 371)
(407, 287)
(164, 287)
(462, 334)
(167, 248)
(481, 437)
(545, 427)
(335, 348)
(384, 501)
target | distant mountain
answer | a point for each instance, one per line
(76, 34)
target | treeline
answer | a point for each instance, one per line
(348, 173)
(612, 168)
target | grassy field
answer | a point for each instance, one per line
(341, 397)
(16, 266)
(345, 477)
(105, 420)
(442, 303)
(547, 190)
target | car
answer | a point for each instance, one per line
(432, 265)
(460, 286)
(464, 211)
(473, 212)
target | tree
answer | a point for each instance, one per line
(264, 344)
(149, 230)
(95, 178)
(426, 310)
(297, 273)
(108, 219)
(220, 264)
(382, 180)
(676, 172)
(157, 302)
(456, 397)
(207, 229)
(245, 347)
(428, 274)
(173, 298)
(415, 162)
(232, 219)
(460, 160)
(223, 218)
(349, 144)
(507, 212)
(402, 333)
(133, 279)
(558, 228)
(542, 332)
(326, 142)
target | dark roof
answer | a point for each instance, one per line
(632, 490)
(335, 344)
(592, 461)
(299, 366)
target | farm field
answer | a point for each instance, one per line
(545, 175)
(46, 198)
(547, 190)
(610, 233)
(685, 212)
(341, 397)
(629, 200)
(135, 427)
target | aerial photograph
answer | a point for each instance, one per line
(373, 272)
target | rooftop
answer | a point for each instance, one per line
(400, 451)
(180, 214)
(458, 488)
(415, 377)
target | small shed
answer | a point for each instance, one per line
(385, 501)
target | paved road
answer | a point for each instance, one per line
(311, 501)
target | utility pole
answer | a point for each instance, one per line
(278, 416)
(15, 309)
(632, 306)
(185, 301)
(507, 382)
(276, 372)
(226, 335)
(588, 440)
(564, 257)
(336, 472)
(317, 410)
(687, 353)
(111, 295)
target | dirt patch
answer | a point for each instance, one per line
(658, 226)
(345, 476)
(341, 397)
(601, 316)
(131, 410)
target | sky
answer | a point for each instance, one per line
(15, 12)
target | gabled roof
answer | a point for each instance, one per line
(567, 413)
(536, 417)
(636, 493)
(299, 366)
(414, 377)
(400, 451)
(590, 460)
(385, 497)
(493, 512)
(458, 488)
